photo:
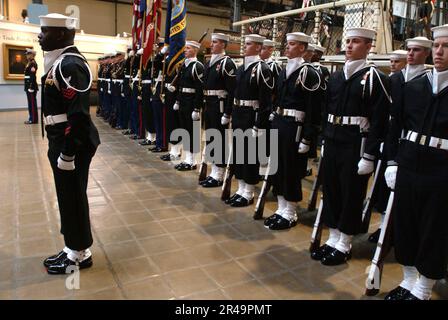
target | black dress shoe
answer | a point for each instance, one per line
(145, 142)
(271, 219)
(374, 237)
(179, 165)
(157, 150)
(321, 252)
(205, 180)
(212, 183)
(61, 266)
(410, 296)
(399, 293)
(53, 259)
(335, 258)
(242, 202)
(232, 199)
(282, 224)
(187, 167)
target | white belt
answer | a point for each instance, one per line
(188, 90)
(346, 120)
(298, 115)
(135, 79)
(108, 80)
(114, 80)
(127, 76)
(434, 142)
(100, 79)
(26, 77)
(119, 80)
(246, 103)
(218, 93)
(146, 81)
(52, 120)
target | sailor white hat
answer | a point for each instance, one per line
(58, 20)
(319, 48)
(254, 38)
(441, 31)
(398, 54)
(269, 43)
(30, 51)
(419, 42)
(311, 47)
(194, 44)
(221, 36)
(360, 32)
(298, 36)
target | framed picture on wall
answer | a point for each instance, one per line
(14, 61)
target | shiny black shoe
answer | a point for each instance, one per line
(321, 252)
(212, 183)
(410, 296)
(335, 258)
(145, 142)
(271, 219)
(61, 266)
(282, 224)
(205, 180)
(399, 293)
(374, 237)
(187, 167)
(157, 150)
(169, 157)
(53, 259)
(242, 202)
(232, 199)
(179, 165)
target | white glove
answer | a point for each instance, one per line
(322, 151)
(139, 98)
(304, 146)
(140, 52)
(272, 116)
(171, 88)
(255, 132)
(225, 120)
(122, 95)
(109, 92)
(176, 106)
(391, 176)
(30, 90)
(66, 163)
(365, 167)
(195, 115)
(164, 49)
(101, 90)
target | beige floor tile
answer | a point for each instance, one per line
(174, 260)
(166, 213)
(208, 254)
(228, 273)
(145, 230)
(113, 293)
(261, 265)
(151, 288)
(114, 235)
(177, 225)
(190, 281)
(136, 217)
(158, 244)
(210, 295)
(238, 248)
(123, 251)
(192, 238)
(252, 290)
(135, 269)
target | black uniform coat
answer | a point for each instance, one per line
(79, 138)
(344, 190)
(254, 83)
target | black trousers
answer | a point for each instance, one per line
(71, 190)
(343, 189)
(158, 112)
(147, 112)
(287, 181)
(185, 110)
(381, 192)
(246, 167)
(420, 220)
(171, 118)
(32, 106)
(212, 120)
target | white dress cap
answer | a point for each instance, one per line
(319, 48)
(58, 20)
(220, 36)
(298, 36)
(269, 43)
(254, 38)
(30, 51)
(360, 33)
(311, 47)
(441, 31)
(398, 54)
(194, 44)
(419, 42)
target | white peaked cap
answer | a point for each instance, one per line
(319, 48)
(441, 31)
(360, 33)
(254, 38)
(398, 54)
(58, 20)
(419, 42)
(269, 43)
(298, 36)
(221, 36)
(194, 44)
(30, 51)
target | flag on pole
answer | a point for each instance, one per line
(152, 26)
(175, 33)
(137, 21)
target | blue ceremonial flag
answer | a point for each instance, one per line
(175, 33)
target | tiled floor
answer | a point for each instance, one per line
(158, 235)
